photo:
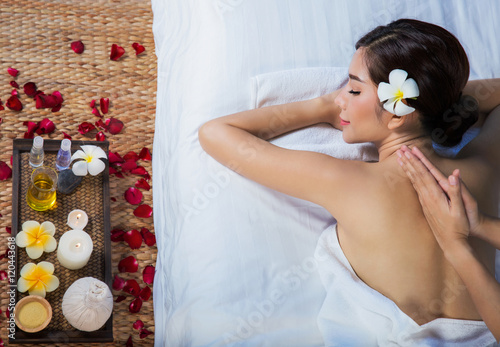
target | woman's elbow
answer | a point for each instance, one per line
(207, 134)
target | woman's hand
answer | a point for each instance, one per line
(332, 115)
(448, 206)
(452, 213)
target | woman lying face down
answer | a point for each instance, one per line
(407, 86)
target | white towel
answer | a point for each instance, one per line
(302, 84)
(354, 314)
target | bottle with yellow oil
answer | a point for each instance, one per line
(41, 194)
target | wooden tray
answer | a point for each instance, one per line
(92, 196)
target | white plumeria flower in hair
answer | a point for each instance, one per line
(396, 90)
(91, 162)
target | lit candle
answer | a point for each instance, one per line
(74, 250)
(77, 219)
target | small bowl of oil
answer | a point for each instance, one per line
(32, 313)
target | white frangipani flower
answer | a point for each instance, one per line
(396, 90)
(91, 162)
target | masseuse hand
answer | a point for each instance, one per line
(448, 206)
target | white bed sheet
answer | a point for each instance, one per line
(235, 260)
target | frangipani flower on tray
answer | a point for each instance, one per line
(88, 160)
(37, 279)
(398, 89)
(37, 238)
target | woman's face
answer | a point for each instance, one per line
(359, 103)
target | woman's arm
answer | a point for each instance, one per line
(486, 92)
(238, 141)
(447, 217)
(486, 145)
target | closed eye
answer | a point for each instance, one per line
(354, 92)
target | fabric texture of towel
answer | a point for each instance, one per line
(302, 84)
(354, 314)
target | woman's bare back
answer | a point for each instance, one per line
(385, 236)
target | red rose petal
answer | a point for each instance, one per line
(133, 196)
(131, 156)
(117, 235)
(52, 101)
(138, 324)
(142, 184)
(30, 89)
(3, 275)
(145, 293)
(1, 108)
(128, 264)
(66, 136)
(85, 127)
(95, 112)
(100, 136)
(144, 333)
(132, 287)
(148, 236)
(29, 135)
(14, 93)
(78, 47)
(116, 52)
(7, 229)
(143, 211)
(14, 84)
(14, 104)
(135, 306)
(32, 126)
(138, 48)
(114, 157)
(145, 154)
(13, 72)
(92, 104)
(101, 125)
(133, 238)
(5, 171)
(129, 165)
(104, 103)
(45, 126)
(114, 125)
(139, 171)
(120, 298)
(56, 109)
(148, 274)
(129, 342)
(118, 283)
(58, 96)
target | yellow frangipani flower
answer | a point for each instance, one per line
(37, 279)
(37, 238)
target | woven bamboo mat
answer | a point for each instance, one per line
(35, 39)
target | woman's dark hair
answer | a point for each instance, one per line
(436, 60)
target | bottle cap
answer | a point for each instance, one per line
(38, 142)
(66, 144)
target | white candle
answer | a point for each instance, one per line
(77, 219)
(75, 247)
